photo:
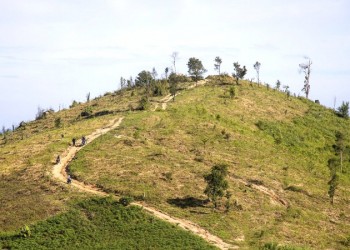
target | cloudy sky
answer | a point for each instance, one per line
(55, 51)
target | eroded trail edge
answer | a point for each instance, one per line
(59, 172)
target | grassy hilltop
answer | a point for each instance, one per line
(276, 147)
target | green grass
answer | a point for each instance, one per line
(103, 224)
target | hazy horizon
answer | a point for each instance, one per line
(54, 52)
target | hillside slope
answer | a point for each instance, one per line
(277, 148)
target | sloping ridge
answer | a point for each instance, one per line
(59, 172)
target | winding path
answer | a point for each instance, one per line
(59, 172)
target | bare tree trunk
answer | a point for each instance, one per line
(341, 162)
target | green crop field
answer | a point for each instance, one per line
(102, 224)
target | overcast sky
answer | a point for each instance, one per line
(55, 51)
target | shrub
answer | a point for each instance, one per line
(144, 103)
(25, 232)
(40, 114)
(87, 111)
(58, 122)
(168, 176)
(125, 200)
(343, 110)
(346, 242)
(176, 78)
(160, 88)
(232, 92)
(74, 104)
(275, 246)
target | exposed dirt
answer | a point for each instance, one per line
(59, 172)
(263, 189)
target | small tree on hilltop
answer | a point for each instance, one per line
(174, 56)
(154, 73)
(343, 110)
(306, 69)
(166, 73)
(143, 78)
(278, 84)
(216, 183)
(173, 89)
(257, 69)
(195, 68)
(239, 71)
(217, 64)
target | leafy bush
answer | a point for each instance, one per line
(25, 232)
(86, 112)
(176, 78)
(346, 242)
(40, 114)
(126, 200)
(223, 79)
(74, 104)
(144, 103)
(58, 122)
(275, 246)
(343, 110)
(168, 176)
(232, 92)
(160, 88)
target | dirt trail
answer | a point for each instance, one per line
(163, 101)
(262, 189)
(169, 97)
(59, 172)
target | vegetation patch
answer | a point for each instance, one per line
(102, 224)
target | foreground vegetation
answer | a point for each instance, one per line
(102, 224)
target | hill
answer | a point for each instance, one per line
(276, 147)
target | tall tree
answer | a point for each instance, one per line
(154, 73)
(174, 57)
(257, 69)
(278, 84)
(239, 71)
(216, 183)
(166, 73)
(339, 147)
(143, 78)
(333, 184)
(173, 82)
(130, 82)
(173, 89)
(306, 69)
(195, 68)
(217, 64)
(122, 83)
(343, 110)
